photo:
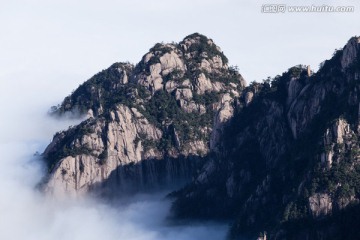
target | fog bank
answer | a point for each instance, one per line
(25, 213)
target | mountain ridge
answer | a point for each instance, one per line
(288, 155)
(278, 156)
(165, 107)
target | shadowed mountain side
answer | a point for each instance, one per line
(283, 151)
(173, 104)
(149, 175)
(289, 154)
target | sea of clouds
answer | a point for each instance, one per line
(26, 213)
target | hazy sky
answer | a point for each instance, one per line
(59, 44)
(49, 47)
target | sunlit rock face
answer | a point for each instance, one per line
(148, 125)
(280, 156)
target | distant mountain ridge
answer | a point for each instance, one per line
(280, 156)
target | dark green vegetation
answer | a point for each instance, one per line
(105, 88)
(203, 46)
(340, 225)
(287, 162)
(66, 148)
(264, 175)
(119, 84)
(163, 107)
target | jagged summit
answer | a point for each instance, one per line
(196, 63)
(90, 96)
(290, 156)
(171, 107)
(280, 156)
(195, 47)
(201, 46)
(193, 59)
(351, 52)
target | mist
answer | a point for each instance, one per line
(49, 48)
(26, 213)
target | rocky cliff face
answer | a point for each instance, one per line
(280, 156)
(148, 125)
(288, 159)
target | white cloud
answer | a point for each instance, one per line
(49, 47)
(25, 97)
(27, 214)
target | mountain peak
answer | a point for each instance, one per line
(273, 155)
(199, 39)
(172, 105)
(200, 45)
(195, 63)
(351, 52)
(196, 57)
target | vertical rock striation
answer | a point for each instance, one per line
(288, 158)
(148, 125)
